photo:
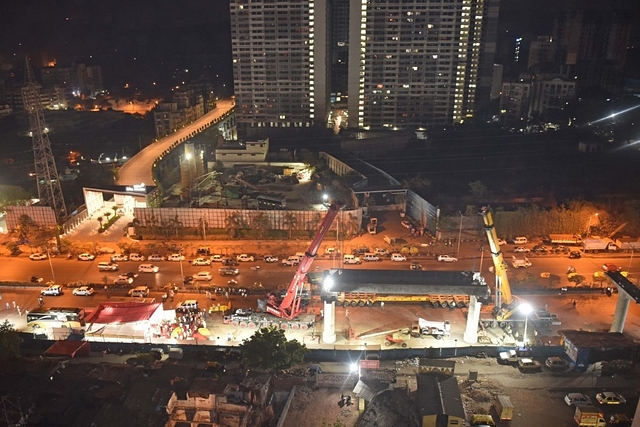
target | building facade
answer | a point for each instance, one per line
(80, 79)
(280, 63)
(416, 63)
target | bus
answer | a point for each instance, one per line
(56, 317)
(270, 202)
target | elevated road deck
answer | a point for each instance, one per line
(138, 170)
(403, 282)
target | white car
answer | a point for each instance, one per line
(406, 224)
(447, 258)
(119, 257)
(155, 257)
(576, 399)
(271, 258)
(85, 291)
(501, 242)
(610, 398)
(37, 257)
(123, 279)
(216, 258)
(136, 257)
(201, 261)
(521, 249)
(175, 257)
(86, 257)
(203, 276)
(52, 290)
(398, 257)
(245, 258)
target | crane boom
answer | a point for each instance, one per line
(289, 307)
(496, 254)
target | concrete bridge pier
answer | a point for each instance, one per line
(473, 319)
(620, 315)
(329, 332)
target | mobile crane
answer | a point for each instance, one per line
(503, 290)
(289, 306)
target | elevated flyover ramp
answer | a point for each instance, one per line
(138, 170)
(627, 292)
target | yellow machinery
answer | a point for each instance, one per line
(506, 305)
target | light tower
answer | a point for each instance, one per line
(49, 190)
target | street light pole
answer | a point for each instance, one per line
(459, 236)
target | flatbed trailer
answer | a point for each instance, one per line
(265, 320)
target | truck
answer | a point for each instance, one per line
(504, 408)
(482, 420)
(599, 244)
(565, 239)
(372, 227)
(520, 261)
(589, 416)
(428, 327)
(628, 244)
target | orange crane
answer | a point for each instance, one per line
(289, 306)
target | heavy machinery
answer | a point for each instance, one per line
(289, 306)
(505, 304)
(429, 327)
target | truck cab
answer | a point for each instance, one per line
(482, 420)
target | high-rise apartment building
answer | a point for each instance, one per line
(414, 63)
(280, 64)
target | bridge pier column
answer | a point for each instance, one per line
(620, 315)
(329, 332)
(473, 318)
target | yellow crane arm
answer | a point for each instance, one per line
(496, 254)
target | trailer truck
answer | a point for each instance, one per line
(598, 244)
(589, 416)
(565, 239)
(628, 244)
(503, 407)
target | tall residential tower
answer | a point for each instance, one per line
(280, 64)
(414, 63)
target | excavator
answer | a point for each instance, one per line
(506, 303)
(289, 306)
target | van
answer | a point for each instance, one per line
(351, 259)
(140, 291)
(520, 240)
(371, 257)
(147, 268)
(188, 305)
(107, 266)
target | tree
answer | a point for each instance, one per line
(9, 341)
(269, 349)
(261, 223)
(233, 222)
(25, 227)
(290, 220)
(578, 279)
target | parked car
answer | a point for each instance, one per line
(155, 257)
(203, 276)
(188, 305)
(528, 365)
(270, 258)
(245, 258)
(201, 261)
(54, 290)
(123, 279)
(38, 257)
(83, 291)
(381, 251)
(86, 257)
(216, 258)
(447, 258)
(521, 249)
(610, 398)
(136, 257)
(398, 257)
(228, 271)
(291, 261)
(119, 257)
(556, 363)
(577, 399)
(175, 257)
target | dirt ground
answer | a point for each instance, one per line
(311, 408)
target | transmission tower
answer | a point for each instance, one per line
(49, 190)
